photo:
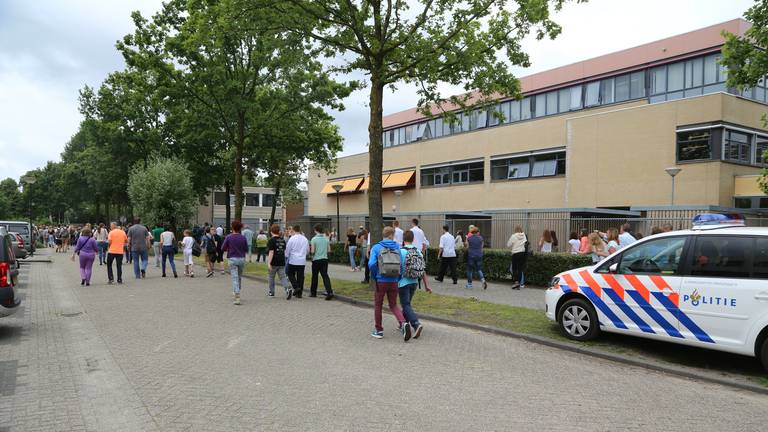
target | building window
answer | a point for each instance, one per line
(526, 111)
(252, 200)
(452, 174)
(736, 147)
(564, 100)
(551, 103)
(694, 72)
(576, 98)
(622, 88)
(593, 94)
(220, 198)
(742, 203)
(694, 145)
(540, 105)
(514, 111)
(675, 77)
(539, 165)
(606, 91)
(710, 69)
(761, 147)
(659, 80)
(267, 199)
(637, 85)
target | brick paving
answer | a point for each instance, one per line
(176, 355)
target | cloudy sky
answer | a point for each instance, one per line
(51, 48)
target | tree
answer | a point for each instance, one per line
(422, 43)
(162, 192)
(746, 59)
(10, 199)
(233, 63)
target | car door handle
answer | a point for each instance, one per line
(762, 296)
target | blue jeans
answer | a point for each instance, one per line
(102, 246)
(168, 253)
(406, 294)
(363, 258)
(144, 255)
(236, 269)
(352, 262)
(474, 264)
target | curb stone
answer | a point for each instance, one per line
(618, 358)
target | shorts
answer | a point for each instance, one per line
(210, 257)
(220, 257)
(188, 257)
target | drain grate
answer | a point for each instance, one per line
(8, 373)
(70, 315)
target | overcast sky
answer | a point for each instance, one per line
(49, 49)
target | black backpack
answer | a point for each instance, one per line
(210, 245)
(196, 251)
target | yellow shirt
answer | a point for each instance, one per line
(117, 239)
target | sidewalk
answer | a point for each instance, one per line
(501, 293)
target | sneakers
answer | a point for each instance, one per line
(417, 332)
(377, 334)
(270, 294)
(209, 274)
(329, 296)
(485, 284)
(237, 299)
(143, 274)
(82, 281)
(468, 286)
(406, 332)
(288, 293)
(438, 279)
(192, 274)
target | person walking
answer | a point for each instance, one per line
(64, 235)
(398, 232)
(276, 262)
(138, 238)
(248, 234)
(101, 242)
(411, 271)
(351, 247)
(296, 254)
(186, 249)
(86, 249)
(545, 242)
(625, 237)
(219, 252)
(517, 243)
(236, 246)
(318, 249)
(220, 231)
(261, 246)
(384, 266)
(168, 241)
(157, 245)
(209, 246)
(362, 241)
(475, 245)
(573, 243)
(116, 241)
(447, 255)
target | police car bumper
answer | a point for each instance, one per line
(551, 296)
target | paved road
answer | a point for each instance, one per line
(175, 354)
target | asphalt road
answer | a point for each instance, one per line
(175, 354)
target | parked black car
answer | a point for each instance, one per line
(9, 275)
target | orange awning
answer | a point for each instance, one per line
(328, 188)
(367, 180)
(399, 179)
(351, 185)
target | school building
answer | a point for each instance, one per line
(597, 138)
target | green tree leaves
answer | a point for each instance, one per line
(162, 192)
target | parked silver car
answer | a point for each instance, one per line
(25, 230)
(19, 245)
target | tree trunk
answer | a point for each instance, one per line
(274, 202)
(239, 149)
(106, 211)
(375, 159)
(97, 207)
(228, 210)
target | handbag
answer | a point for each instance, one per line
(196, 251)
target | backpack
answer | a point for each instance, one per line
(414, 264)
(210, 246)
(196, 251)
(389, 262)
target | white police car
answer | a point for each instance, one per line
(706, 287)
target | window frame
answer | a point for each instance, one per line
(443, 175)
(560, 158)
(682, 263)
(750, 258)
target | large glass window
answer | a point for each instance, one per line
(694, 145)
(525, 113)
(659, 80)
(675, 78)
(637, 85)
(493, 120)
(514, 111)
(736, 147)
(575, 98)
(761, 147)
(593, 94)
(438, 129)
(564, 100)
(660, 256)
(454, 174)
(606, 91)
(252, 200)
(540, 105)
(540, 165)
(552, 103)
(267, 200)
(622, 88)
(220, 198)
(694, 72)
(722, 256)
(710, 69)
(423, 131)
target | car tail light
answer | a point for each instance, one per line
(4, 275)
(21, 241)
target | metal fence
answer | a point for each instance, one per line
(498, 227)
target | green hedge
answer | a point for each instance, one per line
(539, 268)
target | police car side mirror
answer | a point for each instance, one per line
(613, 267)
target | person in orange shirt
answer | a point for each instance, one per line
(116, 241)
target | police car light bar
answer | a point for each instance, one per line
(714, 220)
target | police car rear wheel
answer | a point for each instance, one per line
(578, 320)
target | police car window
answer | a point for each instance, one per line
(661, 256)
(722, 256)
(760, 265)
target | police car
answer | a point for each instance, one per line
(705, 287)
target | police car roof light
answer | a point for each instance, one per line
(716, 220)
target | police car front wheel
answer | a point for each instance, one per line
(578, 320)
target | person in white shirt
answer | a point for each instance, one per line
(626, 238)
(447, 255)
(398, 232)
(419, 239)
(296, 251)
(220, 231)
(186, 244)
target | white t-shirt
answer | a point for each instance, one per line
(419, 239)
(626, 239)
(167, 238)
(296, 250)
(448, 245)
(546, 247)
(399, 236)
(220, 231)
(614, 245)
(458, 242)
(187, 242)
(575, 246)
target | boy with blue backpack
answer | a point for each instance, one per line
(385, 267)
(412, 270)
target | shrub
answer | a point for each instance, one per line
(538, 271)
